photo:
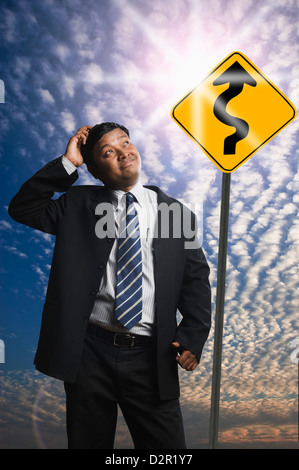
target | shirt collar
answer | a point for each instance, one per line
(137, 190)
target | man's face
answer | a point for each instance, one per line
(116, 160)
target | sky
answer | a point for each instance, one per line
(68, 63)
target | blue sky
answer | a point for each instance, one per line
(69, 63)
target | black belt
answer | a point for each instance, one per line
(125, 340)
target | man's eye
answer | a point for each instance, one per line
(108, 152)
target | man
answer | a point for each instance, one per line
(104, 355)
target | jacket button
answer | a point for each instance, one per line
(93, 292)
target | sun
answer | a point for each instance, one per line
(169, 68)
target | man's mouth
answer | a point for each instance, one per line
(127, 163)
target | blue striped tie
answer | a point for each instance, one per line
(128, 306)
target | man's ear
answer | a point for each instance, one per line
(94, 171)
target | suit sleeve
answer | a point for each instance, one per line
(33, 204)
(194, 302)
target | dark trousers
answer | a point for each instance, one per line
(111, 375)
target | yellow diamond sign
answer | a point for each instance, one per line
(233, 112)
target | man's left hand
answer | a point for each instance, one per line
(186, 359)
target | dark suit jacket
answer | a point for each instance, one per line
(79, 259)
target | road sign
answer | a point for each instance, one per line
(230, 115)
(233, 112)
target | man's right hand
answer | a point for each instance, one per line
(73, 150)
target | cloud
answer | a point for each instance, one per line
(33, 413)
(62, 52)
(249, 416)
(94, 113)
(152, 155)
(14, 250)
(67, 86)
(4, 225)
(9, 20)
(22, 66)
(20, 418)
(68, 122)
(93, 76)
(43, 278)
(46, 96)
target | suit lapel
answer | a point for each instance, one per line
(164, 253)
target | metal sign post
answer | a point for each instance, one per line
(220, 295)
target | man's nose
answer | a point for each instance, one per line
(122, 154)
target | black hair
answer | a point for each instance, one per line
(95, 134)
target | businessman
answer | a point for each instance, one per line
(109, 327)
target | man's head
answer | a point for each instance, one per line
(111, 157)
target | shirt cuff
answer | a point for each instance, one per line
(69, 167)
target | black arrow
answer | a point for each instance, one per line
(236, 76)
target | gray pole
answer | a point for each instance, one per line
(216, 377)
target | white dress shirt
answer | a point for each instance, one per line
(103, 309)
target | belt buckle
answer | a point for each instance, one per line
(118, 337)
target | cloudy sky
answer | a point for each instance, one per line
(67, 63)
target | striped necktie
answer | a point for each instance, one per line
(128, 306)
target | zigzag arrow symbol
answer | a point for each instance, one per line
(236, 76)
